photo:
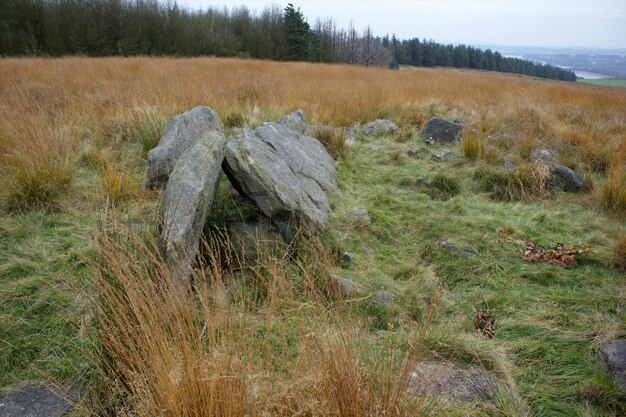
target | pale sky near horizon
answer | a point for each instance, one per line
(547, 23)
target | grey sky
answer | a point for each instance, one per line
(558, 23)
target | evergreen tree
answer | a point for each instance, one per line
(298, 34)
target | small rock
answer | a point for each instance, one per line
(360, 216)
(463, 253)
(613, 361)
(369, 252)
(295, 121)
(384, 297)
(35, 400)
(508, 165)
(412, 152)
(440, 131)
(346, 257)
(460, 384)
(444, 156)
(564, 178)
(460, 120)
(380, 127)
(344, 286)
(543, 154)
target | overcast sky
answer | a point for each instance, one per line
(556, 23)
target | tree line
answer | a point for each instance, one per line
(154, 27)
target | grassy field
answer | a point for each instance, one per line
(75, 217)
(605, 82)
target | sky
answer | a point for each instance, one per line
(545, 23)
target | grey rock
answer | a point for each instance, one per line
(289, 176)
(251, 239)
(543, 154)
(346, 257)
(180, 134)
(613, 361)
(564, 178)
(439, 131)
(369, 252)
(236, 133)
(384, 297)
(295, 121)
(360, 216)
(455, 383)
(380, 127)
(412, 152)
(507, 165)
(460, 120)
(444, 156)
(343, 286)
(36, 400)
(187, 200)
(463, 253)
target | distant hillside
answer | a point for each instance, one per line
(151, 27)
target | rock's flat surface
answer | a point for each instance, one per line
(289, 176)
(451, 382)
(441, 131)
(613, 361)
(181, 133)
(187, 200)
(35, 400)
(295, 121)
(564, 178)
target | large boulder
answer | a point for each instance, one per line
(289, 176)
(613, 361)
(181, 132)
(37, 400)
(440, 131)
(380, 127)
(295, 121)
(187, 200)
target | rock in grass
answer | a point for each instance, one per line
(181, 133)
(444, 156)
(380, 127)
(463, 253)
(36, 400)
(613, 361)
(295, 121)
(289, 176)
(187, 200)
(544, 154)
(359, 216)
(384, 298)
(460, 384)
(344, 287)
(565, 179)
(440, 131)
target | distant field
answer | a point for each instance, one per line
(74, 133)
(605, 82)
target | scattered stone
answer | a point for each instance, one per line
(463, 253)
(439, 131)
(36, 400)
(343, 286)
(346, 257)
(180, 134)
(295, 121)
(507, 164)
(384, 298)
(380, 127)
(460, 120)
(289, 176)
(444, 156)
(613, 361)
(543, 154)
(564, 178)
(360, 216)
(412, 152)
(460, 384)
(247, 238)
(187, 200)
(369, 252)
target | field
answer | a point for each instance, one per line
(78, 303)
(606, 83)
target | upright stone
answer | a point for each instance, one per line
(295, 121)
(441, 131)
(187, 200)
(288, 175)
(181, 133)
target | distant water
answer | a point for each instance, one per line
(580, 74)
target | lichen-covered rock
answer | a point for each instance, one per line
(289, 176)
(380, 127)
(440, 131)
(180, 134)
(187, 200)
(360, 216)
(613, 361)
(295, 121)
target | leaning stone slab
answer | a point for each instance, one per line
(187, 200)
(454, 383)
(295, 121)
(440, 131)
(180, 134)
(380, 127)
(613, 361)
(35, 400)
(289, 176)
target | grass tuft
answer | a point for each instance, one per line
(618, 256)
(334, 141)
(234, 119)
(443, 187)
(526, 183)
(149, 125)
(613, 190)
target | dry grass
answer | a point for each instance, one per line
(618, 257)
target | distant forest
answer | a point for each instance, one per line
(153, 27)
